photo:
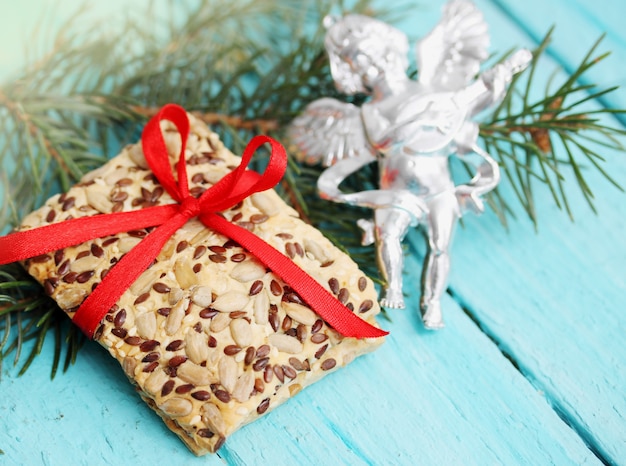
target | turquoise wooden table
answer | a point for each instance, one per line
(531, 368)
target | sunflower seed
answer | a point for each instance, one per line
(135, 153)
(264, 203)
(285, 343)
(300, 313)
(127, 243)
(185, 275)
(201, 295)
(315, 250)
(98, 199)
(175, 295)
(194, 374)
(227, 369)
(155, 381)
(247, 271)
(212, 417)
(219, 322)
(261, 308)
(129, 366)
(146, 325)
(175, 317)
(241, 332)
(230, 301)
(196, 347)
(176, 406)
(244, 386)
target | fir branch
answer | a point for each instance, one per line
(521, 135)
(243, 67)
(211, 118)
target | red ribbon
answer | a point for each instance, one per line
(229, 191)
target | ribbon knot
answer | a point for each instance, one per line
(190, 207)
(227, 192)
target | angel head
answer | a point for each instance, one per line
(362, 50)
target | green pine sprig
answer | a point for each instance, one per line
(245, 68)
(529, 136)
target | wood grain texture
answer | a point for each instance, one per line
(529, 370)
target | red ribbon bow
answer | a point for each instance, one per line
(229, 191)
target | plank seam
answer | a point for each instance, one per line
(586, 437)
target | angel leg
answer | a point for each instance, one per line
(391, 227)
(441, 222)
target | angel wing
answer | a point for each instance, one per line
(328, 131)
(451, 54)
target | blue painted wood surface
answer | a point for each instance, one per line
(529, 370)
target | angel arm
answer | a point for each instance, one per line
(491, 87)
(330, 179)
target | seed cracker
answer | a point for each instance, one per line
(211, 339)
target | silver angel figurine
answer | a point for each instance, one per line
(411, 128)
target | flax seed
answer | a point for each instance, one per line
(333, 283)
(328, 364)
(222, 395)
(366, 305)
(151, 366)
(217, 258)
(317, 326)
(231, 350)
(263, 405)
(256, 287)
(110, 241)
(151, 357)
(186, 388)
(149, 345)
(279, 373)
(289, 372)
(167, 387)
(319, 338)
(80, 255)
(275, 288)
(250, 354)
(199, 252)
(260, 364)
(320, 352)
(96, 250)
(176, 361)
(175, 345)
(208, 313)
(119, 332)
(239, 257)
(164, 311)
(343, 295)
(133, 341)
(85, 276)
(120, 318)
(141, 298)
(201, 395)
(161, 288)
(68, 204)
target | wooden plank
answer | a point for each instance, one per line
(428, 398)
(553, 300)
